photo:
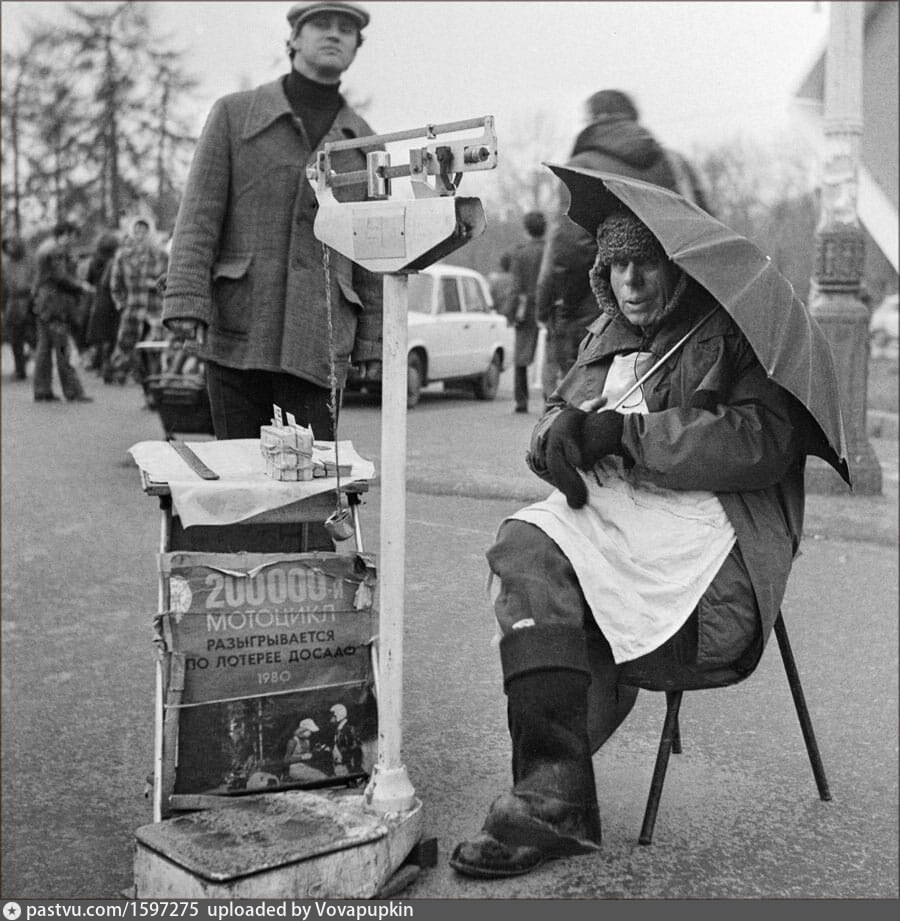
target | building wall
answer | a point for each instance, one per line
(880, 94)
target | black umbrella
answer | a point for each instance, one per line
(787, 340)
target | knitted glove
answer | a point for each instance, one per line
(563, 455)
(601, 434)
(577, 440)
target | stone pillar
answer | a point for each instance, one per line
(834, 300)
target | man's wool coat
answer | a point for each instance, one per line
(244, 257)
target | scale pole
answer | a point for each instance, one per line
(390, 790)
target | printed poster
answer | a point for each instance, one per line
(257, 624)
(278, 680)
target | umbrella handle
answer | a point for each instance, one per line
(648, 374)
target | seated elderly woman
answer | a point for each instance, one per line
(661, 558)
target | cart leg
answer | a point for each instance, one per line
(165, 540)
(158, 743)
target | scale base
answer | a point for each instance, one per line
(326, 844)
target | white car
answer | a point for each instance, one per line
(455, 335)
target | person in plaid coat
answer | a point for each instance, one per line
(135, 271)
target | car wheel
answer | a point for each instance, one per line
(415, 376)
(487, 385)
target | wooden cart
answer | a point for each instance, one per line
(288, 529)
(291, 840)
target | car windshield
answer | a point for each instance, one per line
(475, 301)
(420, 288)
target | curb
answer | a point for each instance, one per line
(841, 517)
(855, 518)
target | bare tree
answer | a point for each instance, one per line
(50, 125)
(93, 117)
(107, 43)
(522, 182)
(15, 85)
(170, 130)
(21, 107)
(766, 193)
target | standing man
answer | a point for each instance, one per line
(57, 289)
(103, 320)
(614, 129)
(246, 277)
(500, 283)
(525, 265)
(616, 142)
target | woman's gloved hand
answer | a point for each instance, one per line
(563, 455)
(601, 434)
(576, 441)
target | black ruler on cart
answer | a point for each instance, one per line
(194, 462)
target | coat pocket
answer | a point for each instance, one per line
(349, 294)
(232, 294)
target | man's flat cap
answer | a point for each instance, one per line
(300, 12)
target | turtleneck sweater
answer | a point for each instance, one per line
(315, 104)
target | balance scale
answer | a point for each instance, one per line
(341, 842)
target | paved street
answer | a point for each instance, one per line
(739, 818)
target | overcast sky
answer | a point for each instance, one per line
(700, 72)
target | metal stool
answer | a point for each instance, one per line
(671, 735)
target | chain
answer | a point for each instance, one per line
(332, 374)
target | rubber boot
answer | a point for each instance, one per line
(551, 810)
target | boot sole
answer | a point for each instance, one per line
(516, 827)
(479, 871)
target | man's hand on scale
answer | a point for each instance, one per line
(370, 370)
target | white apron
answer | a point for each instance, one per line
(643, 554)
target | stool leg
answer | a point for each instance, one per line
(793, 677)
(670, 728)
(676, 730)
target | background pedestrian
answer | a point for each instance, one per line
(613, 141)
(524, 267)
(136, 269)
(57, 290)
(103, 319)
(500, 283)
(17, 281)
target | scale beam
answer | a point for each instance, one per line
(402, 236)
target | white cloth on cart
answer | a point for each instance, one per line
(243, 489)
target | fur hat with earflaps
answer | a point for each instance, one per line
(621, 237)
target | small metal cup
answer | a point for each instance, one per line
(339, 525)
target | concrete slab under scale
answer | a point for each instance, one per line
(326, 844)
